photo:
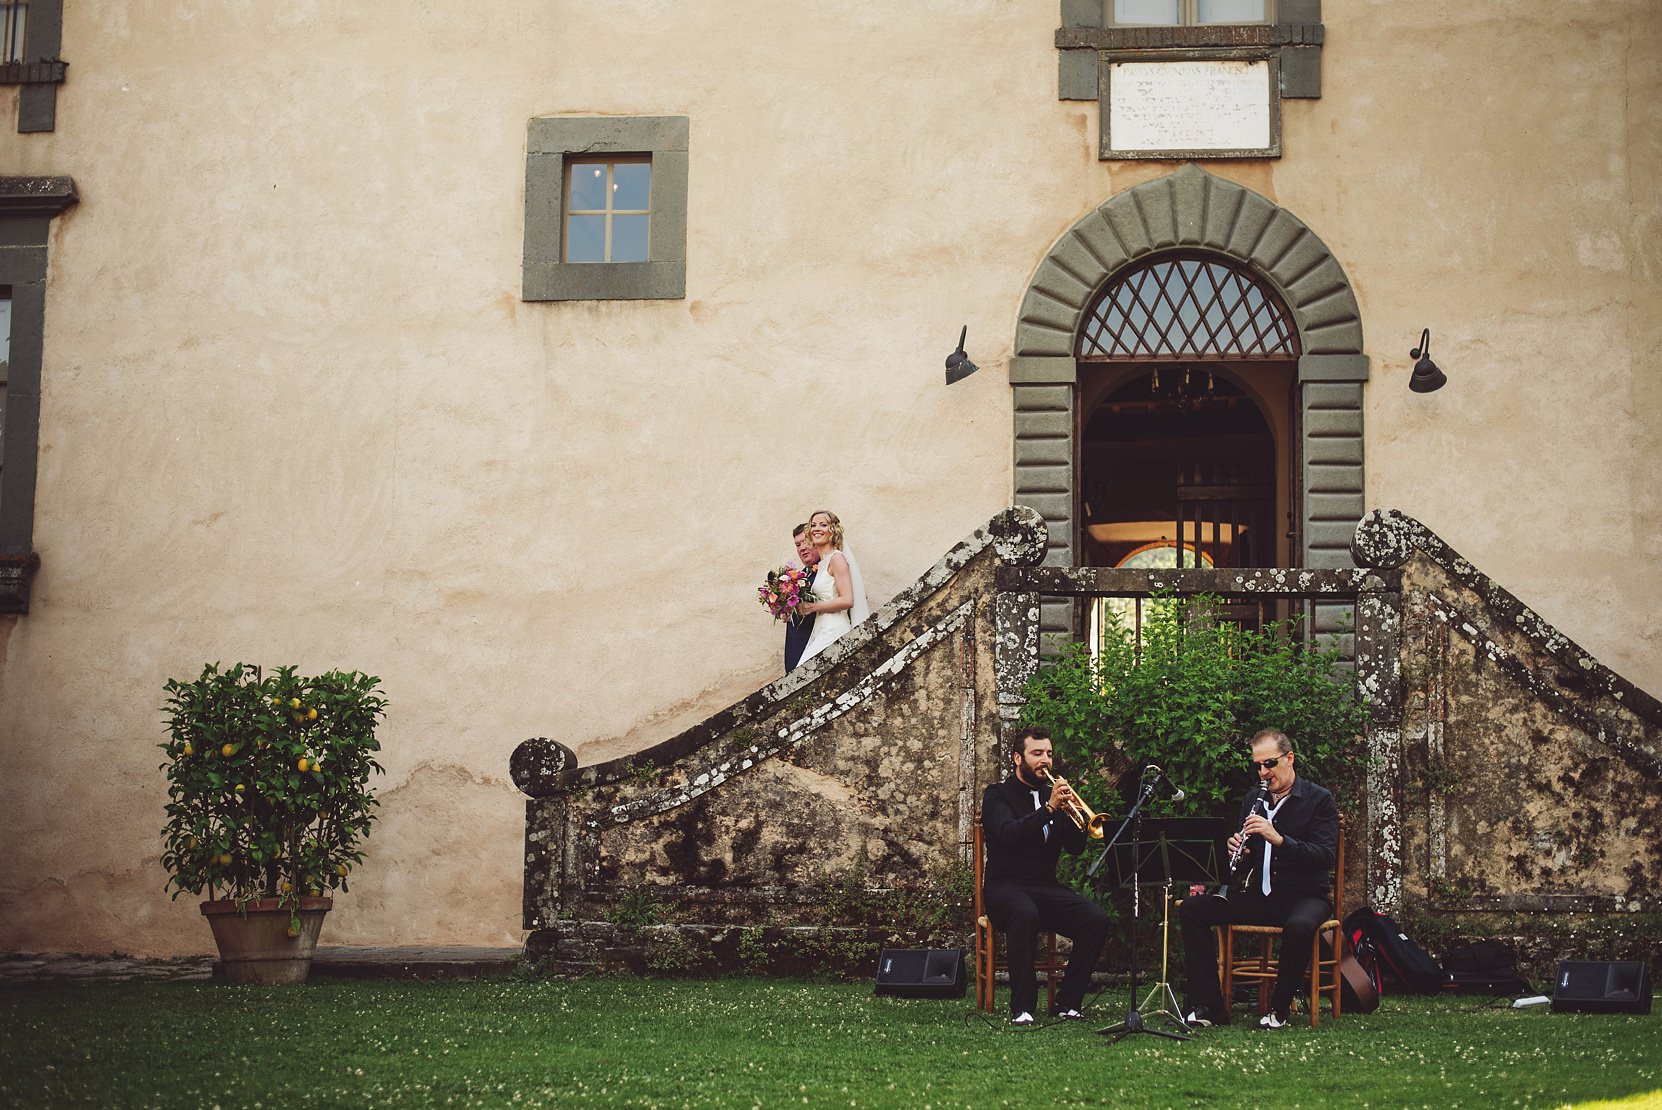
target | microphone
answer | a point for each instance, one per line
(1177, 794)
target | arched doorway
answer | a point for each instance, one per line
(1305, 378)
(1186, 367)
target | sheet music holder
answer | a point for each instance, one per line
(1183, 849)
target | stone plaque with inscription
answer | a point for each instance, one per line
(1198, 107)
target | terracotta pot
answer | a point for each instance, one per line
(254, 942)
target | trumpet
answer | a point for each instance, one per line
(1092, 823)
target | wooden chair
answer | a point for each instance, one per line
(987, 963)
(1259, 969)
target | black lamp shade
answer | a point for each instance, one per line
(1426, 378)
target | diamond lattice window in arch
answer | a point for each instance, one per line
(1187, 308)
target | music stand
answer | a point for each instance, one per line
(1184, 849)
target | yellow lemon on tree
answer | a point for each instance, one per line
(239, 788)
(341, 870)
(303, 764)
(294, 703)
(188, 749)
(311, 714)
(275, 700)
(191, 843)
(227, 749)
(225, 859)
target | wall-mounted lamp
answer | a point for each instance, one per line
(1427, 378)
(958, 364)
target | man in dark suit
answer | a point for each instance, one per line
(1026, 827)
(800, 630)
(1292, 839)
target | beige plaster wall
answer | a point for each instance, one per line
(294, 409)
(1506, 196)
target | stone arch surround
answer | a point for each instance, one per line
(1191, 208)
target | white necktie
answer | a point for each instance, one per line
(1270, 812)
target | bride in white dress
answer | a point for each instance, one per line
(839, 591)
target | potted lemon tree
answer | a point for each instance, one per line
(268, 803)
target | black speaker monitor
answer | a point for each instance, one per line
(1602, 987)
(921, 973)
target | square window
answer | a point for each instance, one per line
(1231, 11)
(1187, 13)
(608, 210)
(1159, 13)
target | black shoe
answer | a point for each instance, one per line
(1202, 1017)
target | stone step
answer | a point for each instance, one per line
(328, 962)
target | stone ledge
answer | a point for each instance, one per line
(440, 962)
(1159, 38)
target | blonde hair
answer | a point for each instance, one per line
(836, 526)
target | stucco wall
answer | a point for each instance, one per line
(294, 409)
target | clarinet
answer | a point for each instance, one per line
(1236, 874)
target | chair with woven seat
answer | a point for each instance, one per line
(1258, 969)
(987, 961)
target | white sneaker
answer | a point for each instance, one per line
(1022, 1018)
(1273, 1020)
(1067, 1015)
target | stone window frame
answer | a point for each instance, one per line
(41, 71)
(1083, 42)
(27, 206)
(550, 140)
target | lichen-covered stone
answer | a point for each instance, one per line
(841, 793)
(1509, 771)
(1527, 774)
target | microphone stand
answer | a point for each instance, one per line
(1133, 1022)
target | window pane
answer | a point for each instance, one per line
(585, 238)
(629, 238)
(587, 191)
(1230, 11)
(632, 185)
(13, 27)
(1163, 12)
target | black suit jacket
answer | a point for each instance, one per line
(1017, 847)
(1309, 820)
(797, 635)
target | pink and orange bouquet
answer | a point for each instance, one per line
(785, 591)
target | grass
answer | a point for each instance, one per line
(753, 1042)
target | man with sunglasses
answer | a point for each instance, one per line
(1292, 839)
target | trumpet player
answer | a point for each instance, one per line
(1288, 841)
(1026, 825)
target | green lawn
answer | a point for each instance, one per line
(743, 1042)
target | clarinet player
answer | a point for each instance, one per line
(1287, 843)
